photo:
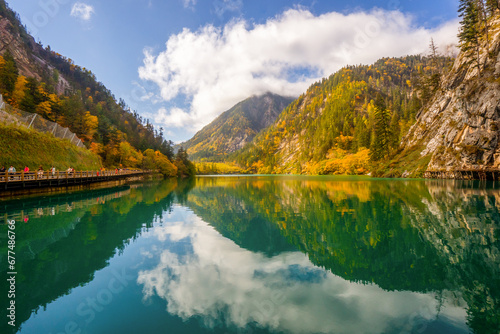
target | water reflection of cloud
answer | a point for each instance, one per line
(220, 282)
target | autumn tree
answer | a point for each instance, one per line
(44, 109)
(97, 148)
(148, 161)
(165, 166)
(157, 161)
(129, 156)
(19, 91)
(90, 124)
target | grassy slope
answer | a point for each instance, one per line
(408, 163)
(20, 147)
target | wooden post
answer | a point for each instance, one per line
(22, 176)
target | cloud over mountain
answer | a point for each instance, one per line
(214, 68)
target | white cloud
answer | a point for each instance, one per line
(176, 117)
(219, 280)
(82, 11)
(189, 3)
(222, 6)
(216, 68)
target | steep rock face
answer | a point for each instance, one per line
(27, 53)
(460, 127)
(10, 40)
(236, 127)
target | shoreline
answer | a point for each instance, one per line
(10, 194)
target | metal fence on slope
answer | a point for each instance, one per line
(11, 115)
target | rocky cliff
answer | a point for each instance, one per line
(460, 126)
(28, 54)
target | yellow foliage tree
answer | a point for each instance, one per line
(97, 148)
(42, 91)
(19, 91)
(166, 167)
(90, 124)
(129, 156)
(44, 109)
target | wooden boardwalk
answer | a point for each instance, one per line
(47, 179)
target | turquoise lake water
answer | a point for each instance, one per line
(257, 254)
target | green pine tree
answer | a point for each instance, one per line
(381, 134)
(8, 74)
(469, 30)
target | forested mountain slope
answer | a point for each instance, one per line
(345, 122)
(39, 80)
(235, 127)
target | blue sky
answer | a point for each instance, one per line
(181, 63)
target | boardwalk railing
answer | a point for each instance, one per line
(58, 175)
(44, 179)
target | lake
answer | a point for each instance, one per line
(257, 254)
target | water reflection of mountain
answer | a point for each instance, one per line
(238, 219)
(104, 229)
(403, 235)
(462, 222)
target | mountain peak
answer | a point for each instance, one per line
(236, 127)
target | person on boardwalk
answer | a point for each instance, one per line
(2, 173)
(40, 171)
(26, 171)
(12, 170)
(53, 170)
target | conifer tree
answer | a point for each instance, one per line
(469, 30)
(483, 19)
(492, 5)
(435, 77)
(381, 135)
(8, 74)
(381, 130)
